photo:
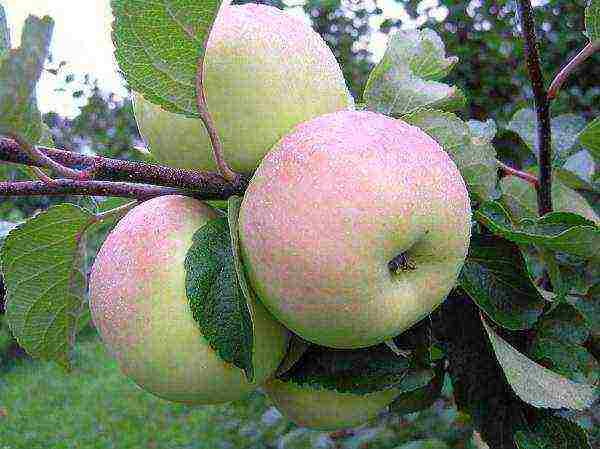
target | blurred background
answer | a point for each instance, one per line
(87, 108)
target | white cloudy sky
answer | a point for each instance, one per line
(82, 38)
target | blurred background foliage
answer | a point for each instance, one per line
(482, 33)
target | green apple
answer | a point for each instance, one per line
(322, 409)
(139, 305)
(331, 206)
(264, 72)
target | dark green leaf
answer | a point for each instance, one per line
(589, 306)
(216, 299)
(496, 278)
(553, 432)
(158, 45)
(45, 286)
(537, 385)
(592, 21)
(557, 231)
(20, 71)
(422, 396)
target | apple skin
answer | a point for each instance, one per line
(139, 306)
(264, 72)
(331, 205)
(329, 410)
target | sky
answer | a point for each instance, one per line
(82, 38)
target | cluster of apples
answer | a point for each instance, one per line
(354, 226)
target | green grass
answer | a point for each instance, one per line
(95, 406)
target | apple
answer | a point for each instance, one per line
(264, 72)
(331, 206)
(139, 305)
(321, 409)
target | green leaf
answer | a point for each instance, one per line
(537, 385)
(578, 172)
(565, 130)
(20, 71)
(296, 349)
(216, 299)
(592, 21)
(4, 34)
(495, 276)
(590, 138)
(521, 199)
(553, 432)
(474, 157)
(558, 342)
(45, 286)
(485, 131)
(407, 78)
(589, 306)
(158, 45)
(425, 393)
(359, 371)
(557, 231)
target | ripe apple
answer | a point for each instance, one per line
(322, 409)
(264, 72)
(139, 306)
(331, 205)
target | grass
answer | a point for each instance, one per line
(42, 407)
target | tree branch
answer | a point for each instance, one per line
(96, 188)
(573, 64)
(205, 185)
(542, 106)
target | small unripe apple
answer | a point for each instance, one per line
(139, 305)
(322, 409)
(354, 227)
(265, 71)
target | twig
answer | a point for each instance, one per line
(573, 64)
(44, 161)
(207, 119)
(207, 185)
(542, 106)
(97, 188)
(519, 174)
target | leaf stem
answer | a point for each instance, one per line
(571, 66)
(209, 123)
(519, 174)
(542, 107)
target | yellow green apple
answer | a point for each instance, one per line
(354, 227)
(265, 71)
(140, 308)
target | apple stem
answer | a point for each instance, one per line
(401, 263)
(519, 174)
(572, 65)
(211, 128)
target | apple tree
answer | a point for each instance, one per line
(378, 248)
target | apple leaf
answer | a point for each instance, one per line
(45, 284)
(521, 199)
(558, 342)
(589, 306)
(565, 130)
(475, 157)
(4, 34)
(553, 432)
(216, 298)
(158, 45)
(578, 172)
(495, 277)
(535, 384)
(485, 131)
(359, 371)
(590, 138)
(592, 21)
(425, 392)
(557, 231)
(407, 79)
(20, 71)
